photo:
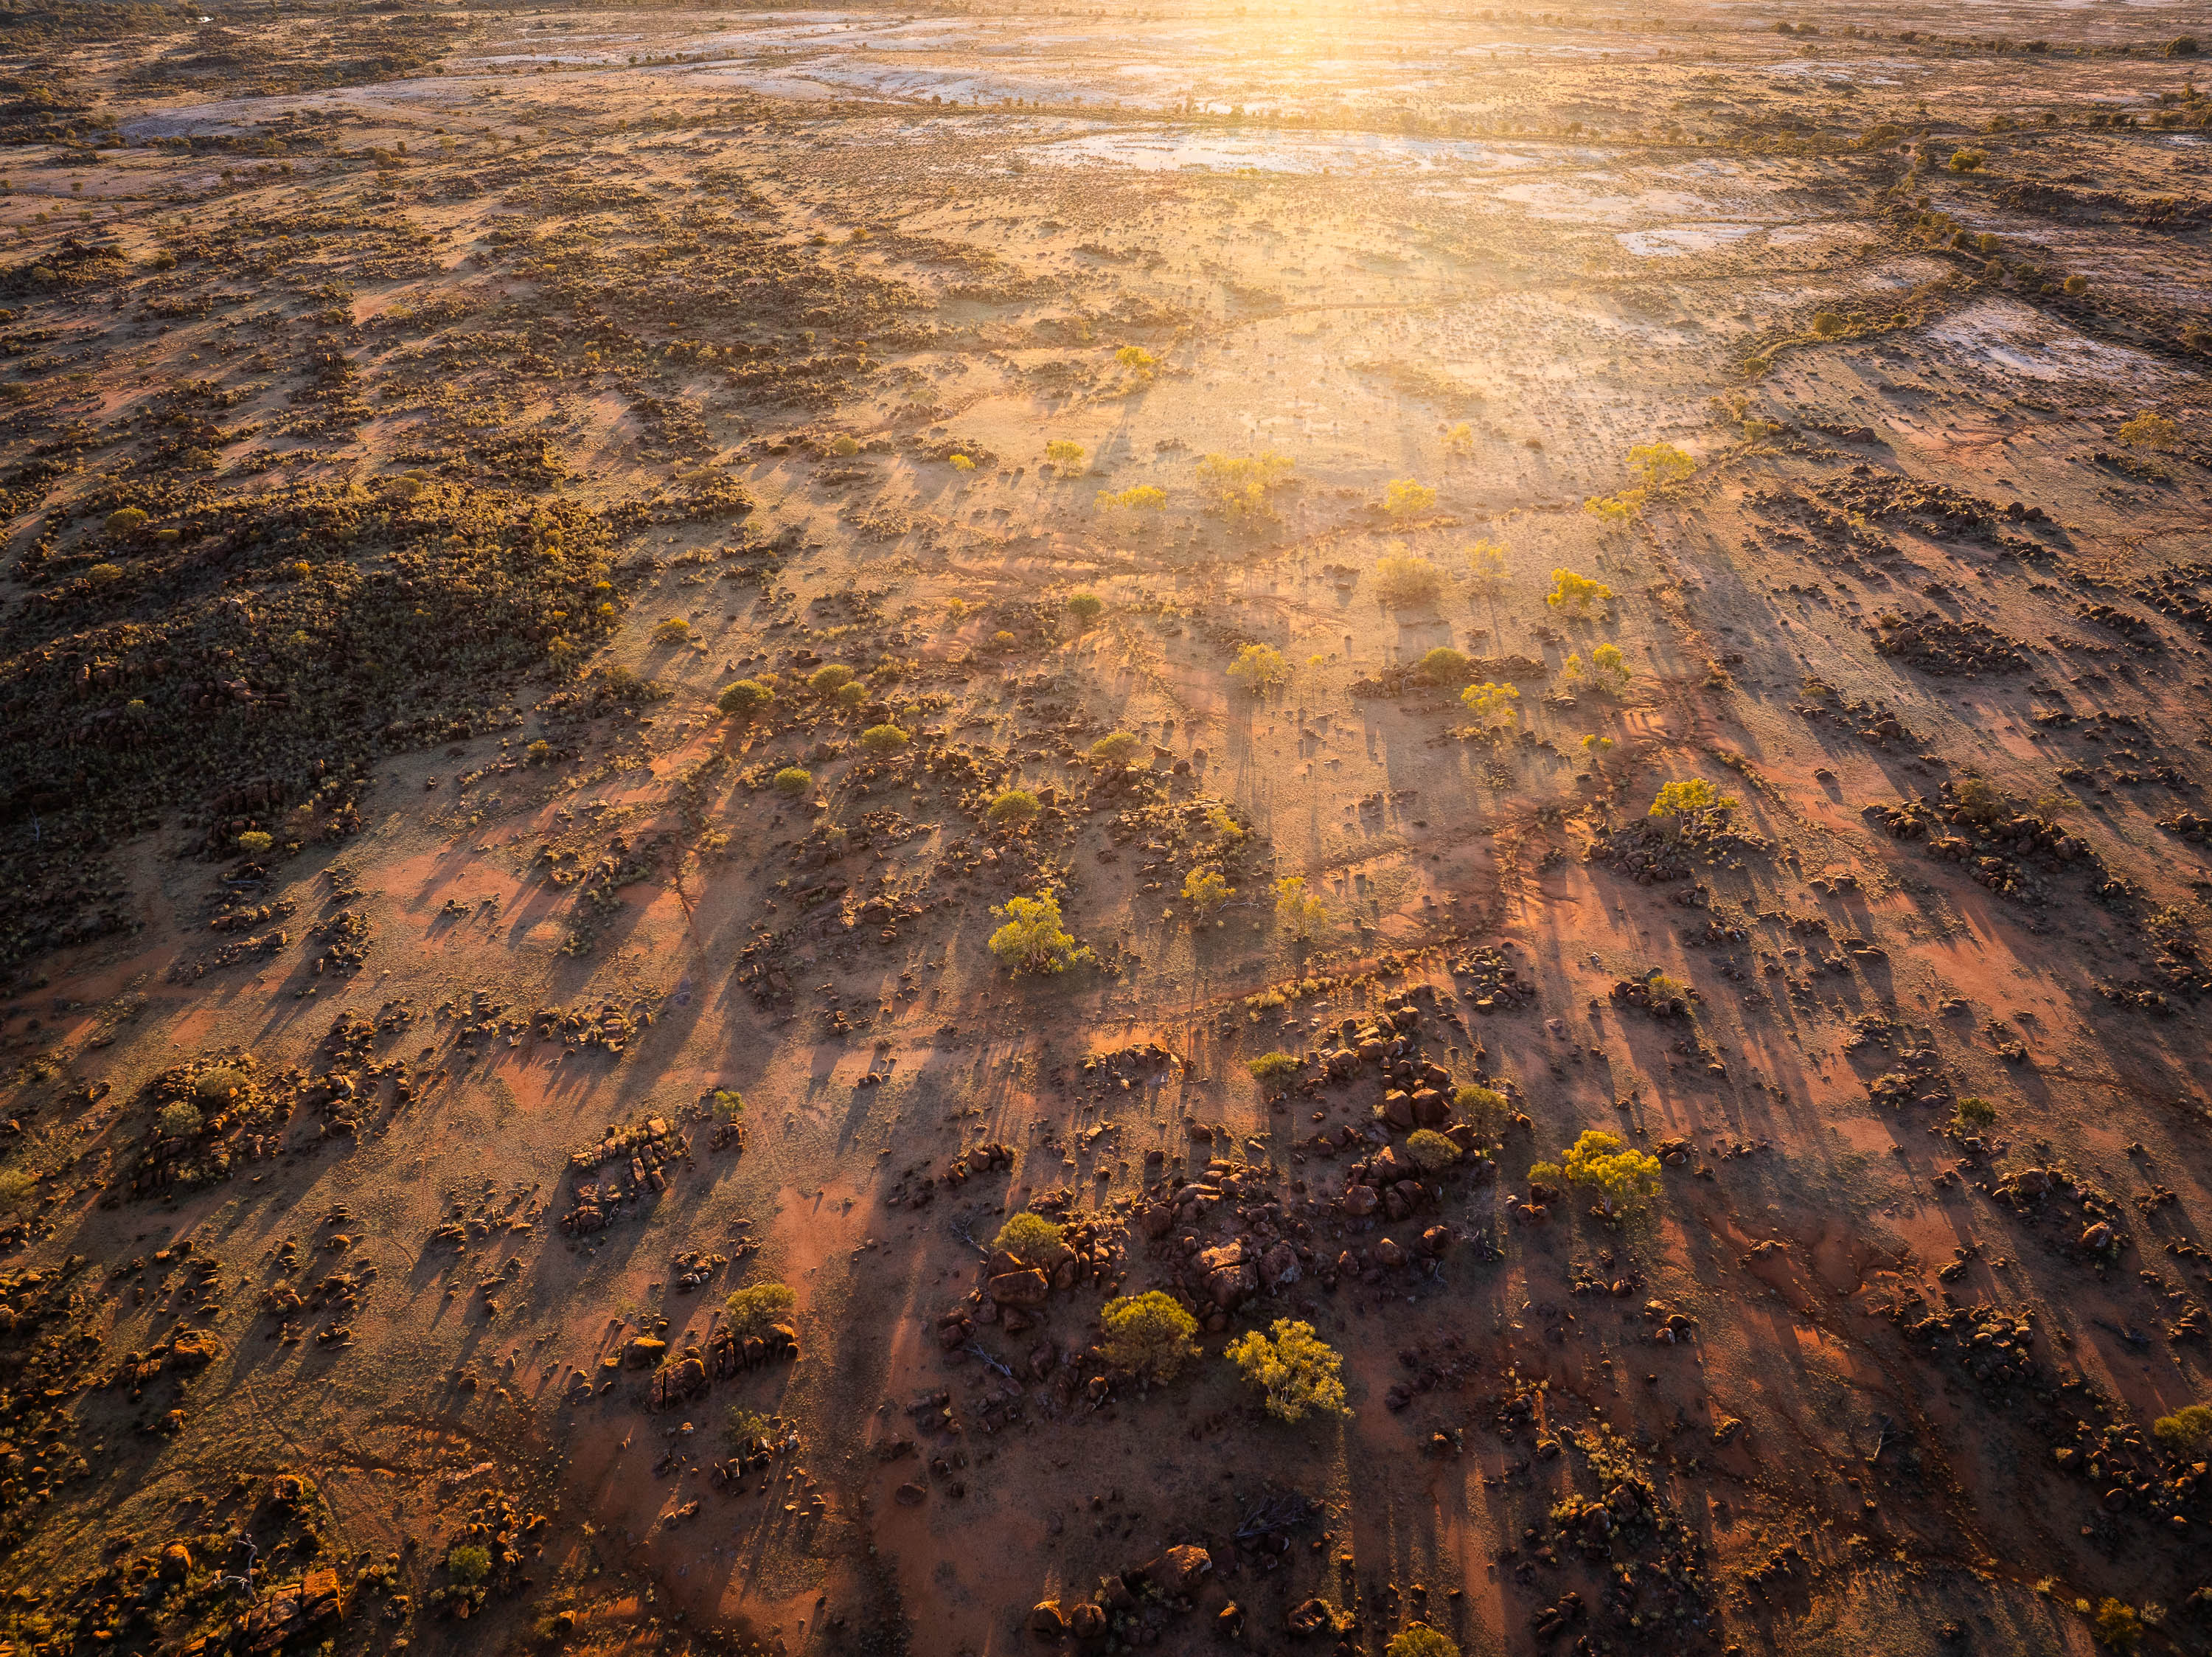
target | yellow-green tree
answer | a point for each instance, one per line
(1297, 1373)
(1485, 563)
(1404, 497)
(1297, 911)
(1149, 1335)
(1205, 889)
(1239, 485)
(1029, 1238)
(1575, 593)
(1495, 707)
(1063, 453)
(1259, 667)
(1033, 940)
(1623, 1178)
(1013, 808)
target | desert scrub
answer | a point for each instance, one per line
(1486, 565)
(883, 740)
(793, 780)
(1085, 607)
(1259, 667)
(1495, 707)
(1445, 666)
(1138, 498)
(1066, 455)
(2150, 431)
(1403, 581)
(826, 681)
(1032, 938)
(1205, 889)
(744, 699)
(674, 630)
(416, 618)
(758, 1308)
(1691, 802)
(1273, 1071)
(1420, 1639)
(1238, 486)
(1012, 808)
(1607, 670)
(1573, 593)
(1624, 1180)
(1297, 1372)
(1149, 1335)
(960, 463)
(1967, 160)
(1137, 359)
(1117, 748)
(1431, 1150)
(1297, 911)
(1029, 1238)
(1403, 497)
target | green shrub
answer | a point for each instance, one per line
(1032, 939)
(744, 698)
(1495, 707)
(828, 679)
(1577, 592)
(793, 780)
(178, 1121)
(884, 739)
(757, 1308)
(1116, 747)
(16, 1187)
(218, 1085)
(1298, 1373)
(1085, 607)
(1258, 667)
(1967, 160)
(1063, 453)
(1012, 808)
(844, 446)
(1239, 485)
(1420, 1639)
(2117, 1625)
(1296, 910)
(1029, 1238)
(1404, 581)
(124, 520)
(2150, 431)
(1483, 1108)
(1485, 563)
(2186, 1431)
(253, 842)
(1148, 1335)
(1689, 800)
(468, 1564)
(1402, 497)
(1431, 1150)
(1205, 889)
(1976, 1113)
(1273, 1071)
(1445, 666)
(1658, 464)
(1623, 1178)
(674, 630)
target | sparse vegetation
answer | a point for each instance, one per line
(1032, 938)
(1117, 748)
(1297, 911)
(1029, 1238)
(793, 780)
(1149, 1335)
(1574, 592)
(2151, 430)
(1405, 498)
(1239, 486)
(1085, 607)
(744, 699)
(1064, 455)
(1403, 581)
(1260, 667)
(1273, 1071)
(1298, 1373)
(883, 740)
(1012, 808)
(1495, 707)
(758, 1308)
(1485, 564)
(1205, 889)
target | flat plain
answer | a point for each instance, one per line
(659, 666)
